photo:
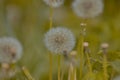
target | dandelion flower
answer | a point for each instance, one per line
(59, 40)
(54, 3)
(88, 8)
(10, 50)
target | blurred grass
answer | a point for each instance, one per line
(35, 22)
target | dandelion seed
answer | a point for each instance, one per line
(10, 50)
(88, 8)
(54, 3)
(59, 40)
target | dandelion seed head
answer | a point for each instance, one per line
(59, 40)
(88, 8)
(104, 45)
(85, 44)
(54, 3)
(10, 50)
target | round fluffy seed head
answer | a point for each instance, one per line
(88, 8)
(59, 40)
(85, 44)
(10, 50)
(54, 3)
(104, 45)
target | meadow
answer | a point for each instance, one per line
(33, 21)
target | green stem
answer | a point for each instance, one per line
(80, 51)
(71, 72)
(75, 73)
(50, 68)
(105, 67)
(51, 17)
(50, 55)
(89, 64)
(59, 62)
(27, 74)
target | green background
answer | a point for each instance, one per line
(35, 22)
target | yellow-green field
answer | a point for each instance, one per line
(34, 24)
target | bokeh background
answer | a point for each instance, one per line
(34, 23)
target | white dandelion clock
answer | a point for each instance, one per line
(10, 50)
(54, 3)
(59, 40)
(88, 8)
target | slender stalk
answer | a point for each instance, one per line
(71, 72)
(50, 55)
(89, 63)
(75, 73)
(105, 67)
(51, 17)
(50, 67)
(80, 51)
(27, 74)
(62, 74)
(59, 62)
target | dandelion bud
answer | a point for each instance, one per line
(85, 44)
(86, 47)
(83, 25)
(104, 47)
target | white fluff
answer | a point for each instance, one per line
(88, 8)
(54, 3)
(7, 45)
(59, 40)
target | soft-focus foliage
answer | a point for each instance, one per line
(34, 23)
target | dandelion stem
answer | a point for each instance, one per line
(89, 64)
(80, 51)
(105, 67)
(80, 48)
(50, 55)
(62, 74)
(51, 17)
(75, 73)
(27, 74)
(59, 62)
(70, 73)
(50, 70)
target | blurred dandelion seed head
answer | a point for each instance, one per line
(10, 50)
(104, 45)
(54, 3)
(85, 44)
(59, 40)
(88, 8)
